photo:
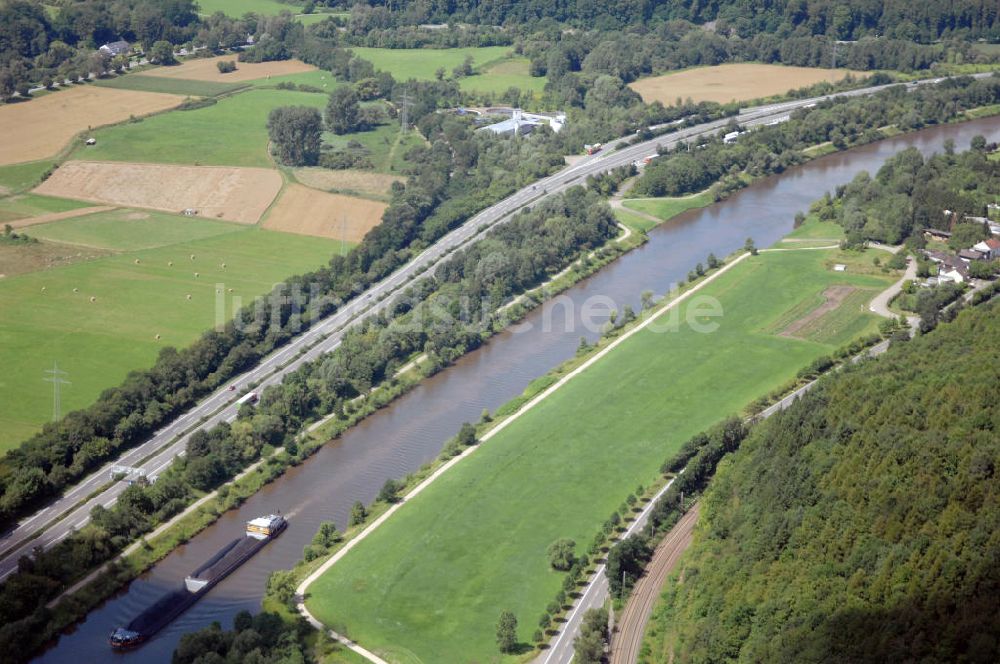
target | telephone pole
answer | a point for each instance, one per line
(57, 380)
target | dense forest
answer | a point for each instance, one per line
(843, 19)
(49, 44)
(860, 525)
(910, 193)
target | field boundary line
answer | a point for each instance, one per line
(303, 587)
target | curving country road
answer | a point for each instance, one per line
(71, 510)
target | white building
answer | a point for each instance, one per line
(521, 123)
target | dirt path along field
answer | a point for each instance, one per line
(41, 127)
(627, 640)
(216, 192)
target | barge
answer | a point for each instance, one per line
(259, 532)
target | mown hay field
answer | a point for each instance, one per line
(307, 211)
(206, 69)
(732, 82)
(233, 194)
(41, 127)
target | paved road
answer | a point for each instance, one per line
(71, 510)
(880, 303)
(631, 626)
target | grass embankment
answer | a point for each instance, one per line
(665, 208)
(430, 583)
(232, 132)
(99, 342)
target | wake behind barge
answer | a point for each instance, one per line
(259, 532)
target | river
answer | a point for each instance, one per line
(400, 438)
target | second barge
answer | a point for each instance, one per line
(259, 532)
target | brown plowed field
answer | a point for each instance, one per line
(360, 182)
(233, 194)
(41, 127)
(206, 69)
(310, 212)
(732, 82)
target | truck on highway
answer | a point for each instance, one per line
(593, 148)
(249, 397)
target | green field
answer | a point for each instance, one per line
(323, 80)
(232, 132)
(386, 145)
(19, 206)
(18, 177)
(128, 230)
(237, 8)
(174, 86)
(421, 63)
(429, 584)
(665, 208)
(512, 73)
(99, 343)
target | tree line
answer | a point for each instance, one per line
(911, 192)
(844, 122)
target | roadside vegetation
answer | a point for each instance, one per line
(723, 168)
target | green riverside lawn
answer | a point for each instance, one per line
(430, 583)
(99, 342)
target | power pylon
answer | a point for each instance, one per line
(57, 380)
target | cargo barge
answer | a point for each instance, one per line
(259, 532)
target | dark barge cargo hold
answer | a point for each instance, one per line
(259, 532)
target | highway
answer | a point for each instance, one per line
(71, 510)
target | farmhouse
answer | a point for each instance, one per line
(990, 248)
(971, 255)
(115, 48)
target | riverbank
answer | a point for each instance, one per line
(486, 523)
